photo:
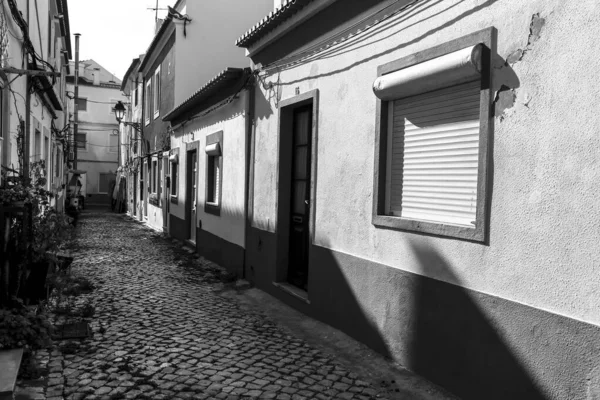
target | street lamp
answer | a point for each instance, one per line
(119, 110)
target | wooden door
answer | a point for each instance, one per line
(300, 197)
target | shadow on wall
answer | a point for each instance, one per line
(432, 328)
(454, 344)
(262, 105)
(404, 16)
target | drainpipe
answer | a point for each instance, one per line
(250, 132)
(26, 135)
(76, 107)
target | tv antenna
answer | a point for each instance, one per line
(156, 11)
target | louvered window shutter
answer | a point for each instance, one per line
(434, 146)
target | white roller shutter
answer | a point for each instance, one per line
(434, 145)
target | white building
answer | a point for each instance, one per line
(32, 127)
(97, 136)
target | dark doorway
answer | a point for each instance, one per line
(191, 192)
(167, 191)
(135, 200)
(300, 196)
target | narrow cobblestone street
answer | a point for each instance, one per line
(162, 330)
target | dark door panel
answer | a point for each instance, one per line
(300, 196)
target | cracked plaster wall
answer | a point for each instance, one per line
(545, 207)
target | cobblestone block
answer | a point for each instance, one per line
(163, 331)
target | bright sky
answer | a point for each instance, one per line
(113, 32)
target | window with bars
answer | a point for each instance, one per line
(431, 149)
(214, 173)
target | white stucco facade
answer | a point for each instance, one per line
(540, 256)
(45, 32)
(98, 150)
(544, 199)
(208, 45)
(231, 120)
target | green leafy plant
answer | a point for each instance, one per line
(23, 328)
(51, 231)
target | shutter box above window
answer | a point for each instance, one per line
(451, 69)
(213, 149)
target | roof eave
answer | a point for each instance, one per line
(270, 22)
(65, 25)
(155, 40)
(227, 79)
(131, 68)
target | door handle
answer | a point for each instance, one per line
(297, 219)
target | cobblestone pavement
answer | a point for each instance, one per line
(161, 330)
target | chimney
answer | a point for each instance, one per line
(96, 76)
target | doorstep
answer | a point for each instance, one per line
(298, 293)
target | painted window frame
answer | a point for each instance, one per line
(85, 148)
(154, 175)
(213, 207)
(79, 109)
(110, 148)
(174, 175)
(147, 101)
(156, 93)
(478, 233)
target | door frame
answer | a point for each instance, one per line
(284, 147)
(166, 191)
(188, 196)
(134, 179)
(146, 184)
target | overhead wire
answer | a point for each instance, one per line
(342, 36)
(28, 44)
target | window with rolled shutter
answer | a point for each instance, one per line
(434, 126)
(433, 153)
(214, 173)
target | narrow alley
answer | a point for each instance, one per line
(163, 330)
